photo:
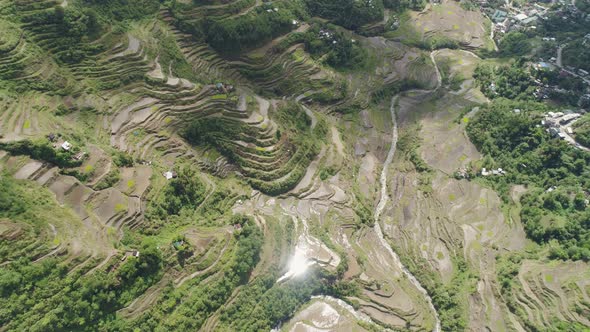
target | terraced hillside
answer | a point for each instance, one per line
(242, 165)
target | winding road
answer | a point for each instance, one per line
(384, 197)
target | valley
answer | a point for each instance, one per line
(218, 165)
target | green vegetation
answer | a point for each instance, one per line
(247, 31)
(263, 304)
(582, 130)
(400, 5)
(514, 43)
(43, 296)
(530, 156)
(187, 308)
(337, 50)
(573, 29)
(129, 82)
(124, 9)
(577, 54)
(512, 82)
(185, 192)
(570, 87)
(450, 300)
(218, 132)
(42, 150)
(109, 180)
(297, 144)
(347, 13)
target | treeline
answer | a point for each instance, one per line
(235, 35)
(401, 5)
(514, 44)
(42, 149)
(556, 173)
(577, 54)
(582, 130)
(47, 295)
(264, 304)
(350, 14)
(449, 299)
(339, 51)
(186, 191)
(120, 10)
(512, 82)
(187, 308)
(75, 27)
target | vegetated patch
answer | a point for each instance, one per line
(450, 300)
(555, 172)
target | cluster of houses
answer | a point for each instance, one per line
(510, 18)
(559, 124)
(568, 10)
(543, 91)
(327, 35)
(499, 171)
(270, 8)
(224, 88)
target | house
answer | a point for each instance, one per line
(499, 171)
(544, 66)
(521, 17)
(79, 156)
(66, 146)
(178, 244)
(569, 117)
(170, 175)
(554, 131)
(130, 253)
(499, 16)
(529, 21)
(503, 26)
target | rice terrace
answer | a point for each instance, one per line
(294, 165)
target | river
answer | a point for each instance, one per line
(384, 198)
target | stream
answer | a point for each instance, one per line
(383, 201)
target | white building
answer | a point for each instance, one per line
(66, 146)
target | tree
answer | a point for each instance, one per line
(515, 43)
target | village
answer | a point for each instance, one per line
(559, 125)
(508, 18)
(528, 17)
